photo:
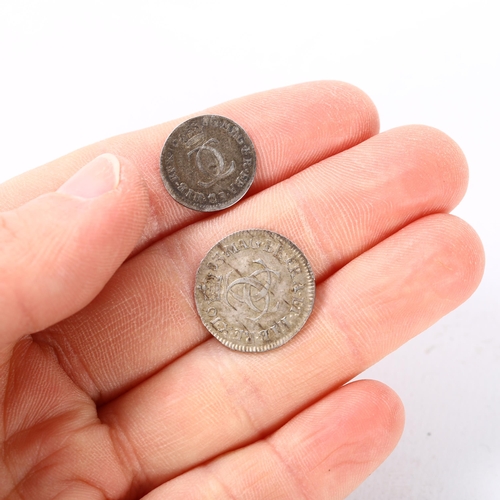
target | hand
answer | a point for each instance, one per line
(111, 387)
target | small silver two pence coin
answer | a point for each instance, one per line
(254, 290)
(208, 163)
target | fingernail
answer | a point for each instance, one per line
(100, 176)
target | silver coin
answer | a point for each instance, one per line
(208, 163)
(254, 290)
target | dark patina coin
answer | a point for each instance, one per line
(254, 290)
(208, 163)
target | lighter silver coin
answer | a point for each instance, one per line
(254, 290)
(208, 163)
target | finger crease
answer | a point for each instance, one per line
(294, 477)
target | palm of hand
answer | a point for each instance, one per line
(130, 395)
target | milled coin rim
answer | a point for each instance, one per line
(311, 294)
(218, 206)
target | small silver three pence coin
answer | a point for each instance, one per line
(254, 290)
(208, 163)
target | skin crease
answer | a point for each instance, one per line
(109, 384)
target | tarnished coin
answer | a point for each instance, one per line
(208, 163)
(254, 290)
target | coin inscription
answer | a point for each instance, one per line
(208, 163)
(254, 290)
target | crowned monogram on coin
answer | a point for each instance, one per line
(208, 163)
(254, 290)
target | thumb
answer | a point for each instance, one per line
(58, 250)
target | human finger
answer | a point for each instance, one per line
(291, 128)
(333, 211)
(58, 250)
(212, 399)
(324, 452)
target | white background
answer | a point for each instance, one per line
(73, 72)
